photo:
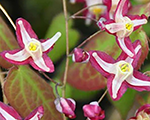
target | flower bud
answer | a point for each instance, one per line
(66, 106)
(93, 111)
(80, 55)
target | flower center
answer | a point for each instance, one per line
(143, 116)
(96, 10)
(33, 46)
(129, 26)
(124, 67)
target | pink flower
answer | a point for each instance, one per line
(80, 56)
(94, 11)
(93, 111)
(66, 106)
(32, 51)
(122, 25)
(143, 113)
(9, 113)
(120, 73)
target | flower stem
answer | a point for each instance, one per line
(7, 16)
(83, 17)
(82, 10)
(58, 84)
(88, 39)
(101, 98)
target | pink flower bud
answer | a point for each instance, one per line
(80, 55)
(143, 113)
(66, 106)
(93, 111)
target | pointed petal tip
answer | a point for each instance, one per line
(20, 22)
(58, 34)
(94, 54)
(41, 109)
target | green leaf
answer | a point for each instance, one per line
(125, 103)
(25, 91)
(58, 24)
(140, 9)
(7, 42)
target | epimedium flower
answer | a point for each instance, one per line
(143, 113)
(120, 73)
(93, 111)
(81, 56)
(9, 113)
(123, 25)
(66, 106)
(94, 11)
(32, 51)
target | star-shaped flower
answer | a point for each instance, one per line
(143, 113)
(120, 73)
(94, 11)
(33, 51)
(122, 25)
(9, 113)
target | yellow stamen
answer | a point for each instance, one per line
(129, 26)
(124, 67)
(96, 10)
(33, 46)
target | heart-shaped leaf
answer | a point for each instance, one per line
(7, 42)
(85, 77)
(25, 91)
(58, 24)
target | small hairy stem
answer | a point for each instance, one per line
(58, 84)
(8, 17)
(67, 52)
(101, 98)
(83, 17)
(82, 10)
(88, 39)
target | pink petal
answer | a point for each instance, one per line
(134, 60)
(8, 113)
(24, 32)
(50, 42)
(139, 81)
(106, 60)
(121, 90)
(43, 63)
(143, 108)
(68, 107)
(126, 45)
(36, 114)
(80, 56)
(16, 56)
(121, 8)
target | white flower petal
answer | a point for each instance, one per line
(19, 56)
(57, 105)
(137, 82)
(41, 63)
(139, 22)
(108, 67)
(50, 42)
(124, 47)
(115, 27)
(6, 115)
(25, 36)
(129, 59)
